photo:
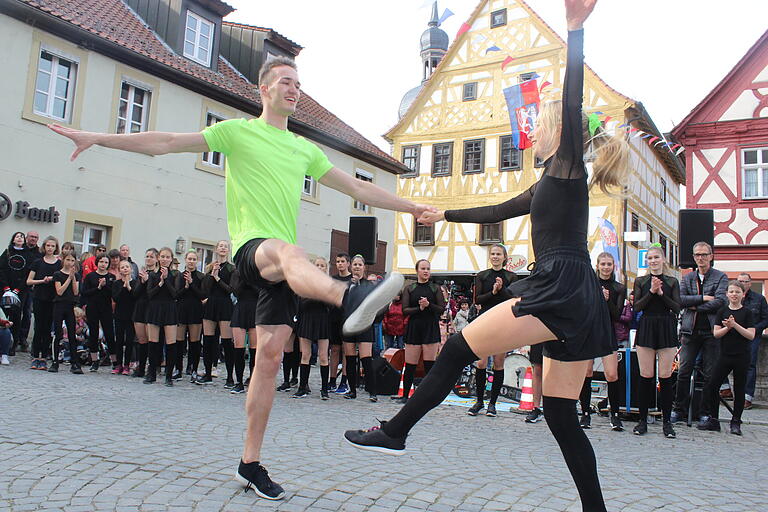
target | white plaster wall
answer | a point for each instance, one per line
(742, 108)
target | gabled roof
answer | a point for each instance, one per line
(111, 28)
(705, 110)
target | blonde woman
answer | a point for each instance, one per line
(313, 326)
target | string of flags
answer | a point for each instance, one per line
(654, 140)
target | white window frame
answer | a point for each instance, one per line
(365, 176)
(310, 186)
(204, 254)
(130, 104)
(663, 191)
(51, 91)
(762, 177)
(196, 45)
(209, 157)
(85, 244)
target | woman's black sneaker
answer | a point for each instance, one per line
(285, 386)
(373, 398)
(301, 393)
(491, 411)
(254, 476)
(641, 428)
(735, 427)
(669, 432)
(585, 421)
(376, 440)
(324, 395)
(361, 304)
(94, 367)
(75, 368)
(534, 416)
(203, 380)
(54, 368)
(616, 423)
(239, 388)
(177, 375)
(479, 406)
(229, 384)
(350, 395)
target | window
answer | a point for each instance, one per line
(198, 39)
(423, 234)
(474, 156)
(663, 242)
(524, 77)
(470, 91)
(86, 237)
(411, 155)
(204, 255)
(663, 192)
(310, 186)
(364, 176)
(635, 226)
(499, 18)
(755, 173)
(213, 158)
(490, 233)
(650, 233)
(672, 256)
(509, 156)
(54, 86)
(133, 109)
(442, 159)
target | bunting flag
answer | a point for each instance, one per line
(594, 123)
(607, 118)
(647, 135)
(654, 139)
(623, 125)
(479, 38)
(677, 153)
(506, 62)
(523, 105)
(493, 48)
(463, 29)
(447, 13)
(543, 85)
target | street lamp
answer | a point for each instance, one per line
(181, 245)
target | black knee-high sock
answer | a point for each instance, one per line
(193, 360)
(180, 346)
(560, 414)
(170, 359)
(303, 376)
(324, 372)
(155, 356)
(143, 355)
(585, 397)
(498, 380)
(251, 360)
(352, 373)
(481, 378)
(614, 396)
(428, 366)
(296, 362)
(229, 356)
(287, 364)
(645, 395)
(408, 373)
(210, 353)
(455, 355)
(370, 375)
(239, 364)
(665, 397)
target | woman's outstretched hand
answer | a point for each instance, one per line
(577, 11)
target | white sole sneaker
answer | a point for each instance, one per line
(249, 486)
(362, 318)
(377, 449)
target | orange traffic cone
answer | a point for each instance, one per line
(400, 391)
(526, 395)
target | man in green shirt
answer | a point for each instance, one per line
(265, 169)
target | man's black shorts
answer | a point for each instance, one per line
(277, 304)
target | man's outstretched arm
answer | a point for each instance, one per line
(148, 143)
(371, 194)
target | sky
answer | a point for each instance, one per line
(361, 56)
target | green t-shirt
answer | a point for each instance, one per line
(265, 169)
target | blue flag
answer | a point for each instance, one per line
(610, 241)
(446, 14)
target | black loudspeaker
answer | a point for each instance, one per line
(634, 398)
(363, 234)
(387, 378)
(694, 226)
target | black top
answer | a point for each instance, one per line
(653, 304)
(195, 289)
(484, 287)
(411, 296)
(14, 268)
(617, 294)
(124, 298)
(221, 288)
(95, 297)
(243, 290)
(733, 343)
(140, 290)
(164, 293)
(43, 291)
(336, 313)
(559, 202)
(68, 295)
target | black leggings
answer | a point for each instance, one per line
(64, 312)
(725, 365)
(41, 341)
(125, 333)
(95, 316)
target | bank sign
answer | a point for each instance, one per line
(23, 210)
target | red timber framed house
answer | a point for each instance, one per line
(726, 141)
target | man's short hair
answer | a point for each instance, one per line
(703, 244)
(745, 274)
(343, 255)
(265, 73)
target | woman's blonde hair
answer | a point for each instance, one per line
(609, 154)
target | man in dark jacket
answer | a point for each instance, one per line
(757, 304)
(702, 294)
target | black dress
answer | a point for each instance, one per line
(335, 336)
(423, 324)
(369, 335)
(140, 307)
(244, 310)
(189, 300)
(314, 320)
(484, 282)
(657, 328)
(161, 300)
(617, 294)
(218, 308)
(562, 291)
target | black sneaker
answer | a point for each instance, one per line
(94, 367)
(585, 421)
(75, 368)
(376, 440)
(534, 416)
(301, 393)
(678, 417)
(285, 386)
(168, 382)
(229, 384)
(247, 382)
(54, 368)
(709, 424)
(254, 476)
(641, 428)
(491, 411)
(350, 395)
(324, 395)
(239, 388)
(373, 398)
(669, 432)
(177, 375)
(361, 304)
(479, 406)
(203, 380)
(138, 373)
(151, 376)
(735, 427)
(616, 424)
(294, 381)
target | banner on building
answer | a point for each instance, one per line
(610, 241)
(523, 105)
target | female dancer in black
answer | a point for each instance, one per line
(140, 311)
(41, 277)
(657, 295)
(217, 312)
(360, 343)
(189, 302)
(125, 303)
(490, 290)
(15, 263)
(423, 303)
(243, 325)
(561, 302)
(66, 282)
(313, 326)
(97, 292)
(615, 294)
(162, 314)
(335, 335)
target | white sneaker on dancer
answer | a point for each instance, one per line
(361, 304)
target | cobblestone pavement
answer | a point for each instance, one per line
(102, 442)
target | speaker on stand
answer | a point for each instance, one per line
(363, 235)
(694, 225)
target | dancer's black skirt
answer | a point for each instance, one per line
(657, 331)
(218, 309)
(162, 313)
(244, 314)
(314, 320)
(422, 332)
(140, 311)
(190, 312)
